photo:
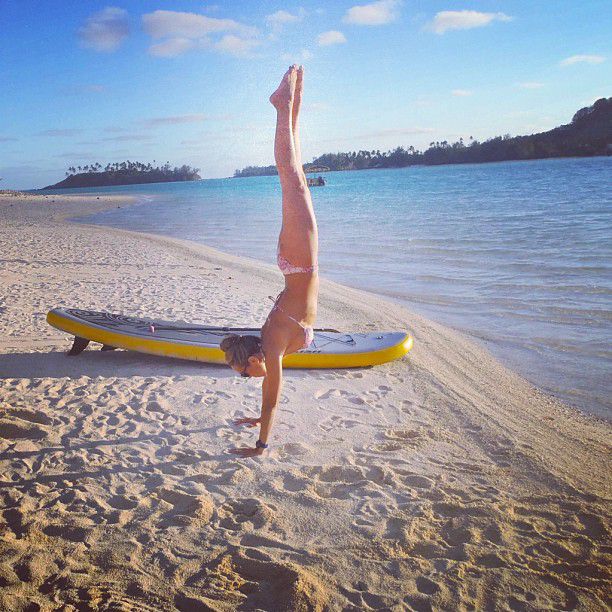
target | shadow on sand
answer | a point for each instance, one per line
(93, 363)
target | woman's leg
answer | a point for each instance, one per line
(298, 239)
(295, 116)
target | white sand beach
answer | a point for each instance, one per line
(442, 481)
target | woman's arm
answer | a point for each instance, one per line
(270, 392)
(270, 396)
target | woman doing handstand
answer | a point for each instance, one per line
(288, 327)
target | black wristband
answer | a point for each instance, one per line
(260, 444)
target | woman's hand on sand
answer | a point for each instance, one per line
(247, 451)
(248, 421)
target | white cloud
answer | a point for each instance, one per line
(333, 37)
(173, 24)
(106, 30)
(280, 18)
(234, 45)
(376, 13)
(463, 20)
(462, 93)
(531, 85)
(582, 59)
(171, 47)
(185, 31)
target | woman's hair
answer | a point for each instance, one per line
(238, 349)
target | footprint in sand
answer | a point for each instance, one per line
(109, 597)
(223, 395)
(336, 481)
(233, 474)
(336, 473)
(593, 526)
(457, 535)
(384, 447)
(330, 393)
(407, 406)
(16, 522)
(418, 482)
(72, 533)
(186, 509)
(238, 582)
(397, 529)
(295, 449)
(11, 430)
(291, 482)
(426, 586)
(337, 422)
(345, 481)
(30, 416)
(380, 392)
(354, 375)
(410, 437)
(234, 514)
(122, 502)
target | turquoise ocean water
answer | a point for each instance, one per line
(516, 254)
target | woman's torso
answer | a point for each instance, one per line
(295, 308)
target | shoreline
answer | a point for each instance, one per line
(462, 335)
(443, 479)
(596, 407)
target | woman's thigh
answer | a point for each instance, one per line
(298, 242)
(298, 236)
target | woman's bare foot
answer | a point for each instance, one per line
(297, 98)
(283, 97)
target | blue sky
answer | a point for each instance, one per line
(188, 81)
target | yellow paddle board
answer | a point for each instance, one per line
(330, 348)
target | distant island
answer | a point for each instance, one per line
(589, 134)
(124, 173)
